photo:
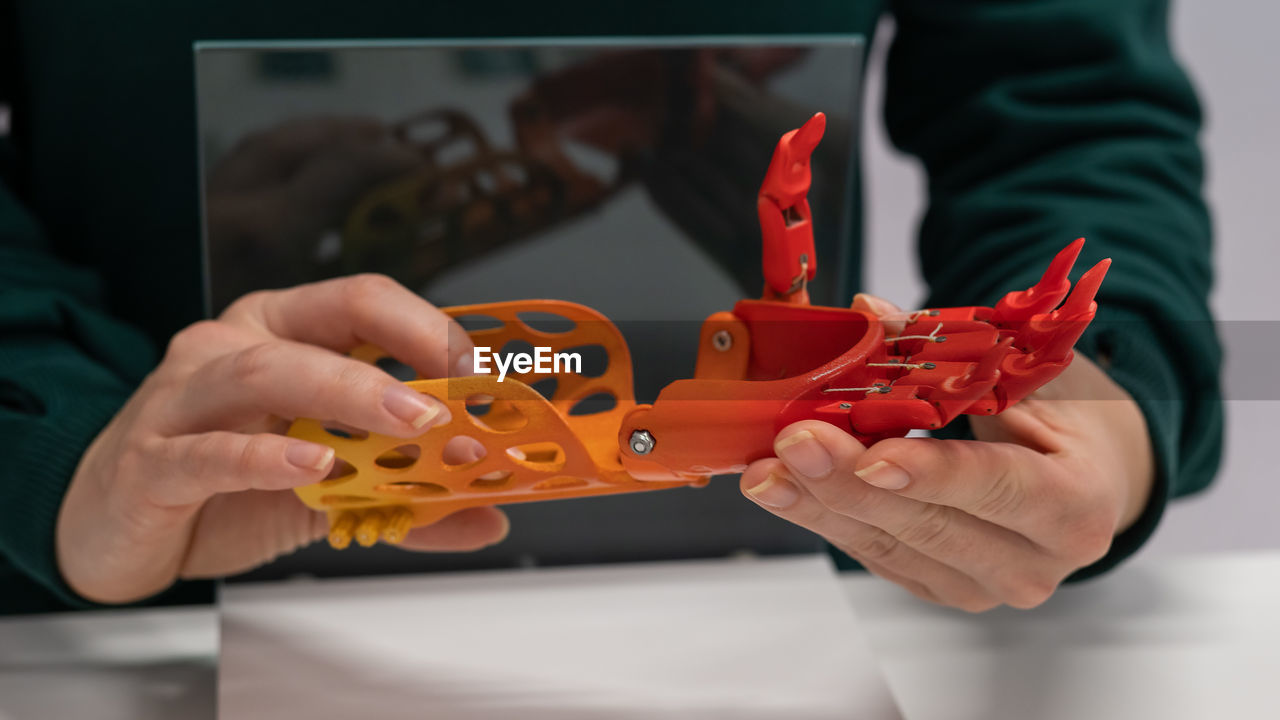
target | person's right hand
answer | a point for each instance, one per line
(192, 479)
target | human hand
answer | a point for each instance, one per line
(192, 479)
(973, 524)
(274, 196)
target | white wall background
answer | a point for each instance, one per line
(1229, 48)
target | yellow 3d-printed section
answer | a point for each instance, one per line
(502, 442)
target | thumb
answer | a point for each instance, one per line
(465, 530)
(893, 317)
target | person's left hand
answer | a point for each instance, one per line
(974, 524)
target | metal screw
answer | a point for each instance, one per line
(845, 406)
(722, 340)
(642, 442)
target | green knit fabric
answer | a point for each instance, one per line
(1065, 119)
(1037, 121)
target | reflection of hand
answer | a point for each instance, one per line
(191, 479)
(276, 193)
(973, 524)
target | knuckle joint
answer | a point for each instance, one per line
(930, 530)
(368, 287)
(875, 546)
(252, 362)
(1002, 499)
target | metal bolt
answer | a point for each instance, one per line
(722, 340)
(642, 442)
(845, 406)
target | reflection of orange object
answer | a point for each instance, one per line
(767, 364)
(467, 198)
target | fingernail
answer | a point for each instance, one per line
(308, 456)
(465, 366)
(804, 454)
(506, 530)
(776, 491)
(884, 475)
(411, 407)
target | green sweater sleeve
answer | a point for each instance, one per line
(1042, 121)
(65, 369)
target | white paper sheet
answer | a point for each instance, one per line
(127, 664)
(769, 639)
(1183, 638)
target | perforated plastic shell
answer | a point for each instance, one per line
(535, 448)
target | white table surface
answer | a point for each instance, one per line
(1168, 638)
(152, 664)
(759, 639)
